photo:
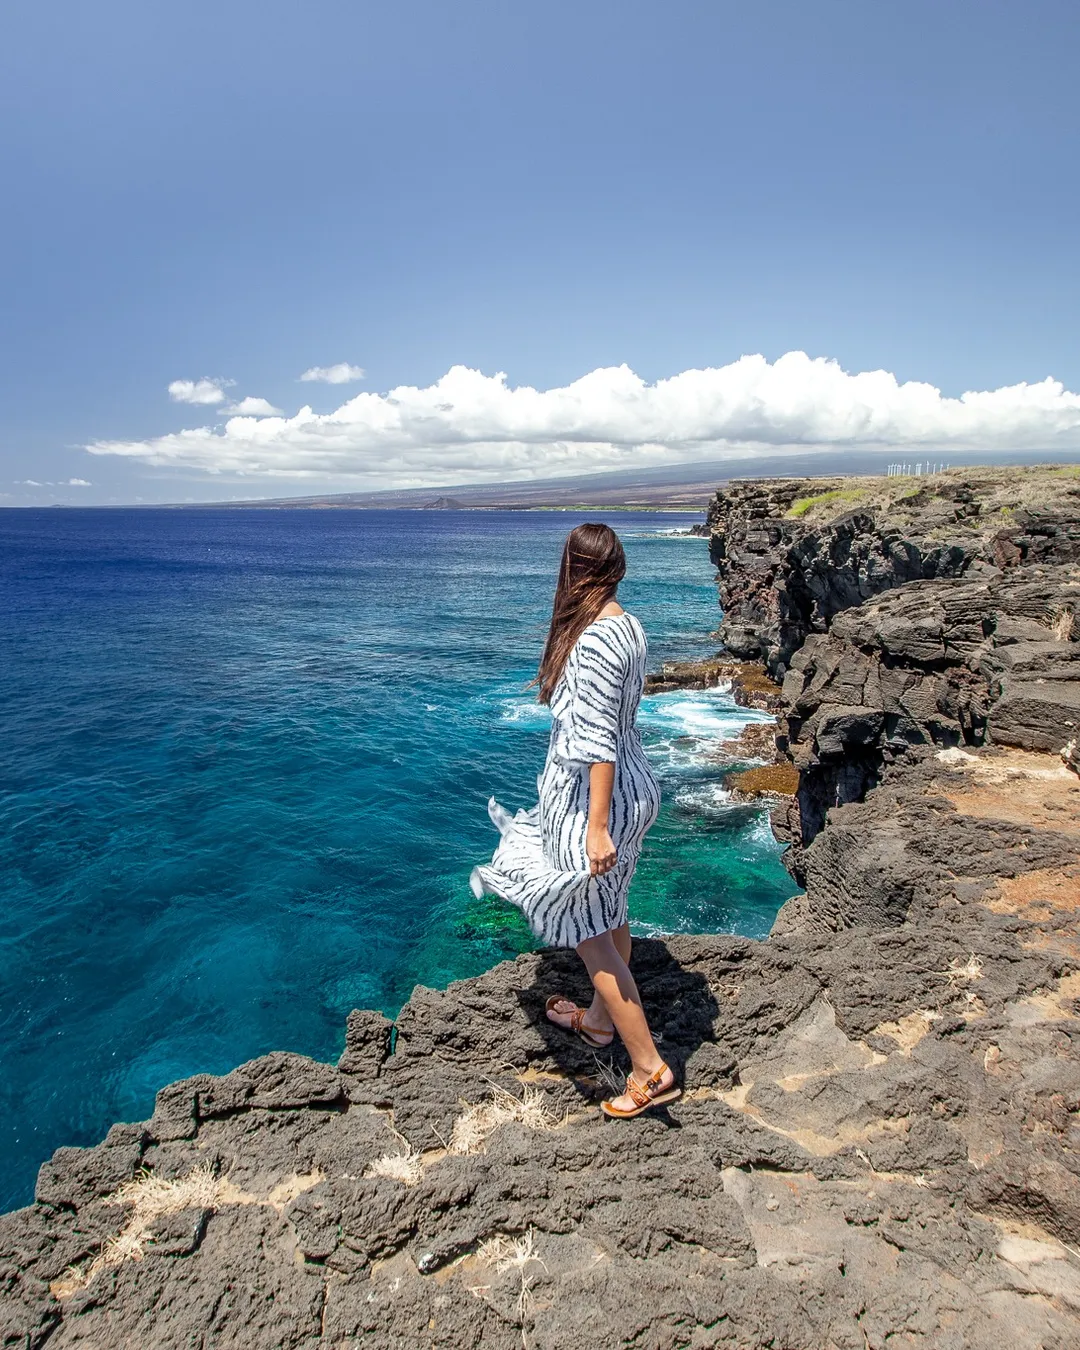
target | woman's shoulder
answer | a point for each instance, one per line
(612, 633)
(623, 619)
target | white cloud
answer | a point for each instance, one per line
(204, 391)
(474, 427)
(253, 407)
(65, 482)
(342, 373)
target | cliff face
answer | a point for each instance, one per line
(791, 554)
(879, 1143)
(963, 631)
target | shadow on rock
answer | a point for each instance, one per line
(678, 1003)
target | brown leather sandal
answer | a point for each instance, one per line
(644, 1094)
(590, 1035)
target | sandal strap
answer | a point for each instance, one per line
(655, 1080)
(643, 1093)
(595, 1033)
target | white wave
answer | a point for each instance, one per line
(525, 712)
(707, 712)
(704, 798)
(669, 532)
(759, 837)
(686, 923)
(639, 928)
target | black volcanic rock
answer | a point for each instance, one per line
(958, 662)
(793, 553)
(871, 1112)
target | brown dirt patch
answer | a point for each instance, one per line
(1035, 894)
(754, 679)
(1019, 786)
(1049, 1005)
(908, 1031)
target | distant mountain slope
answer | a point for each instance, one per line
(671, 486)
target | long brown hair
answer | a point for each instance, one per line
(593, 564)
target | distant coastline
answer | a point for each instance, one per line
(671, 487)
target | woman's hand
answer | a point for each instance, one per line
(600, 850)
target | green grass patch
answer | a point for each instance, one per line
(801, 505)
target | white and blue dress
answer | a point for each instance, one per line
(541, 864)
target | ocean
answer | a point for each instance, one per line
(243, 774)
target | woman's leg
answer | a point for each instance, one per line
(597, 1018)
(613, 982)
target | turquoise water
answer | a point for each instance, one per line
(243, 775)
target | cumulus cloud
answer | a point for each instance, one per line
(204, 391)
(342, 373)
(473, 427)
(253, 407)
(79, 482)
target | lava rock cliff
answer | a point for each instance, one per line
(879, 1142)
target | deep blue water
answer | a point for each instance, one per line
(244, 763)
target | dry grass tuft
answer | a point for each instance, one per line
(839, 498)
(605, 1071)
(151, 1197)
(961, 971)
(506, 1253)
(478, 1120)
(1063, 623)
(964, 971)
(725, 991)
(406, 1167)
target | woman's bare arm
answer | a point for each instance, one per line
(598, 842)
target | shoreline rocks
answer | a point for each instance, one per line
(768, 781)
(751, 686)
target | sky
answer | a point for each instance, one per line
(265, 249)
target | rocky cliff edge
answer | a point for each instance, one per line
(879, 1143)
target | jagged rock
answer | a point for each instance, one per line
(947, 663)
(793, 553)
(368, 1036)
(870, 1110)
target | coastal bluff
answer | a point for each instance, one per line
(879, 1143)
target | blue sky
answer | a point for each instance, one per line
(245, 191)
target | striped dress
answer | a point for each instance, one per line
(540, 864)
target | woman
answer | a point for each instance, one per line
(568, 862)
